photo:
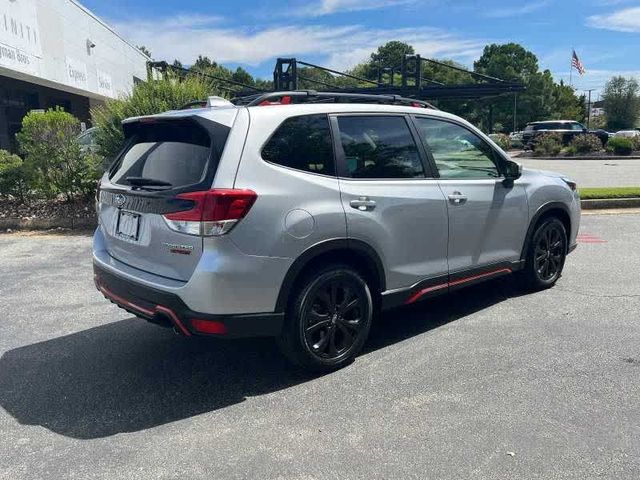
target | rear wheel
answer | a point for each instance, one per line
(328, 320)
(546, 254)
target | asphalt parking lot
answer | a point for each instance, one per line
(592, 173)
(484, 383)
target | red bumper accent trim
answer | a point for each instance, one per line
(174, 318)
(150, 313)
(416, 296)
(109, 294)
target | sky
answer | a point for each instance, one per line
(342, 33)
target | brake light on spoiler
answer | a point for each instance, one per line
(211, 212)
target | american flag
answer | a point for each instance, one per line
(577, 64)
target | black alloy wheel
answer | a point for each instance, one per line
(334, 317)
(549, 252)
(546, 255)
(328, 320)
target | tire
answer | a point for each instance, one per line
(328, 319)
(546, 255)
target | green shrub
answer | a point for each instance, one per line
(502, 140)
(547, 144)
(636, 143)
(52, 155)
(586, 143)
(13, 177)
(147, 98)
(620, 145)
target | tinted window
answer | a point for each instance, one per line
(458, 152)
(379, 147)
(577, 126)
(177, 153)
(303, 143)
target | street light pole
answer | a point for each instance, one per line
(589, 109)
(515, 110)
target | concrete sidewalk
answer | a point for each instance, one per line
(591, 173)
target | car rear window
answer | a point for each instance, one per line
(303, 143)
(177, 152)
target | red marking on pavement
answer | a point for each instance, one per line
(589, 238)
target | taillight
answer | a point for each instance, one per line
(212, 213)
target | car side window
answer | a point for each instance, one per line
(303, 143)
(457, 152)
(378, 147)
(577, 126)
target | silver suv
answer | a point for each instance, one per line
(300, 215)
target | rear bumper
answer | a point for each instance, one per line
(168, 309)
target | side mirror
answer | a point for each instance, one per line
(512, 172)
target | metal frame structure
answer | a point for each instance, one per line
(314, 96)
(164, 67)
(287, 76)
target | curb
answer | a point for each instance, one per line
(631, 157)
(604, 203)
(90, 223)
(47, 223)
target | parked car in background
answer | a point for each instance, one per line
(87, 140)
(627, 133)
(567, 128)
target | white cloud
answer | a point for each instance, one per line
(505, 12)
(327, 7)
(594, 79)
(347, 44)
(625, 20)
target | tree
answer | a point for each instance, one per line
(621, 101)
(391, 54)
(13, 178)
(242, 76)
(52, 155)
(543, 99)
(147, 98)
(566, 105)
(314, 78)
(508, 62)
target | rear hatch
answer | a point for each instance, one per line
(163, 157)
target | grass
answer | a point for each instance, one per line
(605, 192)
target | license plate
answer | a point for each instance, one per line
(128, 225)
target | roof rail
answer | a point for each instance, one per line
(313, 96)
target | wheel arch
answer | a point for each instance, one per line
(356, 253)
(551, 209)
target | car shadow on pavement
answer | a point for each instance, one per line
(129, 375)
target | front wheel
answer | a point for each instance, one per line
(329, 319)
(546, 255)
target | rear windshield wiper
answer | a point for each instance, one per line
(146, 182)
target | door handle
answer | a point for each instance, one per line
(457, 198)
(363, 204)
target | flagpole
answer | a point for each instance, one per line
(571, 68)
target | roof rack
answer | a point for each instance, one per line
(313, 96)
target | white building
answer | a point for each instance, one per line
(58, 53)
